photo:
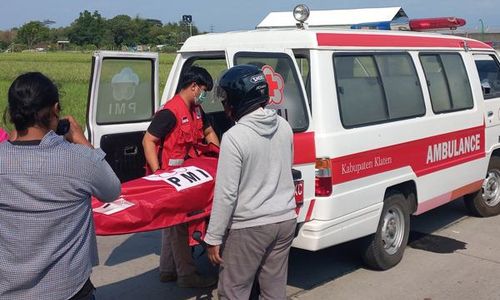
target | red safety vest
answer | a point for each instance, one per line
(188, 131)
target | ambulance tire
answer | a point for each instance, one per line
(384, 249)
(486, 201)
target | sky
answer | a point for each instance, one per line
(227, 15)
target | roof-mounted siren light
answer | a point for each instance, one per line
(301, 14)
(384, 25)
(399, 22)
(436, 23)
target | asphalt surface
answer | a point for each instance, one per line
(450, 256)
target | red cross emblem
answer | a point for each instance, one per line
(276, 85)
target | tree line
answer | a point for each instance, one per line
(91, 31)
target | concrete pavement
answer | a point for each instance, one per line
(450, 256)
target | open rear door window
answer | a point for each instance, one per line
(125, 91)
(122, 102)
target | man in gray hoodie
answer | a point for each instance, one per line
(253, 212)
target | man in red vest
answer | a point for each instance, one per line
(170, 139)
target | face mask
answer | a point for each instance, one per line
(202, 97)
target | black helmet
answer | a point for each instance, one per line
(243, 88)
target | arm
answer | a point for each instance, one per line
(211, 136)
(161, 126)
(225, 199)
(13, 135)
(105, 184)
(226, 191)
(149, 144)
(208, 131)
(75, 133)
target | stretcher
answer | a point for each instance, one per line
(166, 198)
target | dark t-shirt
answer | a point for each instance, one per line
(164, 122)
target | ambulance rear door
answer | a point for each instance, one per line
(288, 96)
(122, 100)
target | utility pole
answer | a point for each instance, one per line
(482, 29)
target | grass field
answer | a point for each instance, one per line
(70, 71)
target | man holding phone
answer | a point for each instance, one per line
(47, 238)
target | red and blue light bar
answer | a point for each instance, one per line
(436, 23)
(415, 24)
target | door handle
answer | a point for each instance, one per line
(130, 150)
(490, 114)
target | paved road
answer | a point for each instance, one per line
(450, 256)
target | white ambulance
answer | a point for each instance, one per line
(387, 124)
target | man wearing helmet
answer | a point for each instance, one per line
(253, 212)
(170, 138)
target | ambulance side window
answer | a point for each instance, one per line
(448, 83)
(489, 75)
(377, 88)
(125, 91)
(285, 93)
(359, 89)
(401, 86)
(215, 66)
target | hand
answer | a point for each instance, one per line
(75, 134)
(214, 254)
(13, 135)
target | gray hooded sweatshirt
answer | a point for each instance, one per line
(254, 184)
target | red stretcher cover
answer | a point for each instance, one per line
(169, 197)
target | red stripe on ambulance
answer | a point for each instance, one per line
(386, 40)
(424, 156)
(304, 149)
(310, 210)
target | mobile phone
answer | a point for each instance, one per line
(62, 127)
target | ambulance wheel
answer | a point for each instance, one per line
(486, 201)
(385, 248)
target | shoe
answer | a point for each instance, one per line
(195, 280)
(167, 277)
